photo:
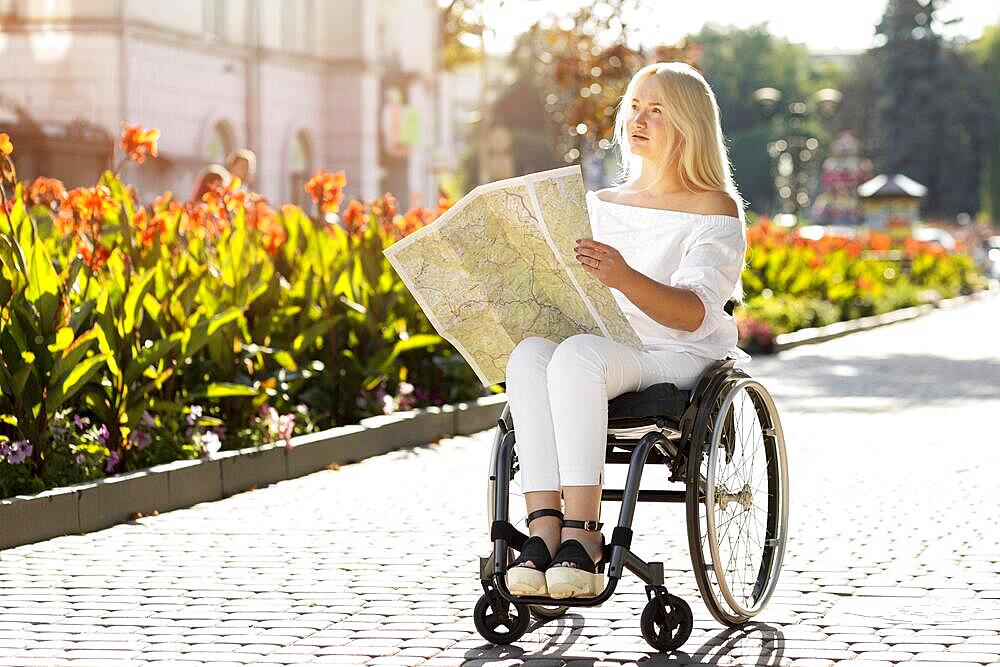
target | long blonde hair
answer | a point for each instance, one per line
(703, 161)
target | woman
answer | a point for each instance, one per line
(210, 177)
(670, 242)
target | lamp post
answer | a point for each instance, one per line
(794, 151)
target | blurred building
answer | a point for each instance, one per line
(345, 84)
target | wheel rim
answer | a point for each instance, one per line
(743, 504)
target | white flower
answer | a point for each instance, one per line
(210, 442)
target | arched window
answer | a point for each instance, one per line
(300, 164)
(220, 142)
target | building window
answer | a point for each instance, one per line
(220, 143)
(300, 160)
(215, 18)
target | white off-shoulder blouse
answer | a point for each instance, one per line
(703, 253)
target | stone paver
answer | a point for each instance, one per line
(893, 557)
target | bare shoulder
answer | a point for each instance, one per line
(718, 202)
(608, 194)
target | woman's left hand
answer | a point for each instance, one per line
(603, 262)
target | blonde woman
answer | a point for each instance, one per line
(670, 243)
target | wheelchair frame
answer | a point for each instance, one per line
(707, 420)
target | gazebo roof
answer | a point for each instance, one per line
(894, 185)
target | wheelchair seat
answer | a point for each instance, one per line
(662, 401)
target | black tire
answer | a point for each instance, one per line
(488, 623)
(546, 613)
(654, 625)
(723, 429)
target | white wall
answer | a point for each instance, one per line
(61, 76)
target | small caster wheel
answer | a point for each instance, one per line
(543, 612)
(500, 628)
(660, 634)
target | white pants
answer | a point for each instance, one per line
(558, 397)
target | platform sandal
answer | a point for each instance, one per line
(587, 578)
(525, 580)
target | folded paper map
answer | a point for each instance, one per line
(500, 266)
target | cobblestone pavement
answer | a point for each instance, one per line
(894, 554)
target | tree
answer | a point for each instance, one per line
(736, 62)
(986, 52)
(933, 109)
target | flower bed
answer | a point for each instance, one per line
(792, 282)
(135, 334)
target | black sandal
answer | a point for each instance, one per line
(587, 578)
(527, 580)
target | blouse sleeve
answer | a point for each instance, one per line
(711, 268)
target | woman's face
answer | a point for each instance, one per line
(649, 132)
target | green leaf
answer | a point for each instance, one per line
(77, 377)
(309, 336)
(150, 356)
(134, 300)
(225, 389)
(64, 337)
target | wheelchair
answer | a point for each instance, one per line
(723, 440)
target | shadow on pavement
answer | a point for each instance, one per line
(718, 648)
(906, 379)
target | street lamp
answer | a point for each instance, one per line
(793, 151)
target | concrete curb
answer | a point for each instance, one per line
(837, 329)
(99, 504)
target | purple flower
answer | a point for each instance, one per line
(80, 459)
(111, 462)
(81, 422)
(194, 414)
(15, 452)
(103, 434)
(148, 420)
(140, 439)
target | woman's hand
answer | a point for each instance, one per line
(603, 262)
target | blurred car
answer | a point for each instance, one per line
(935, 235)
(993, 256)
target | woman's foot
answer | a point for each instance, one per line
(573, 571)
(526, 574)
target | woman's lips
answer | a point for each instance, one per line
(640, 137)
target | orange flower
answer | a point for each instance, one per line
(83, 210)
(879, 241)
(444, 203)
(259, 212)
(6, 145)
(95, 256)
(47, 191)
(139, 142)
(354, 218)
(147, 230)
(326, 189)
(414, 219)
(273, 235)
(384, 210)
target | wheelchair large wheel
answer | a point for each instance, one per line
(515, 504)
(737, 499)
